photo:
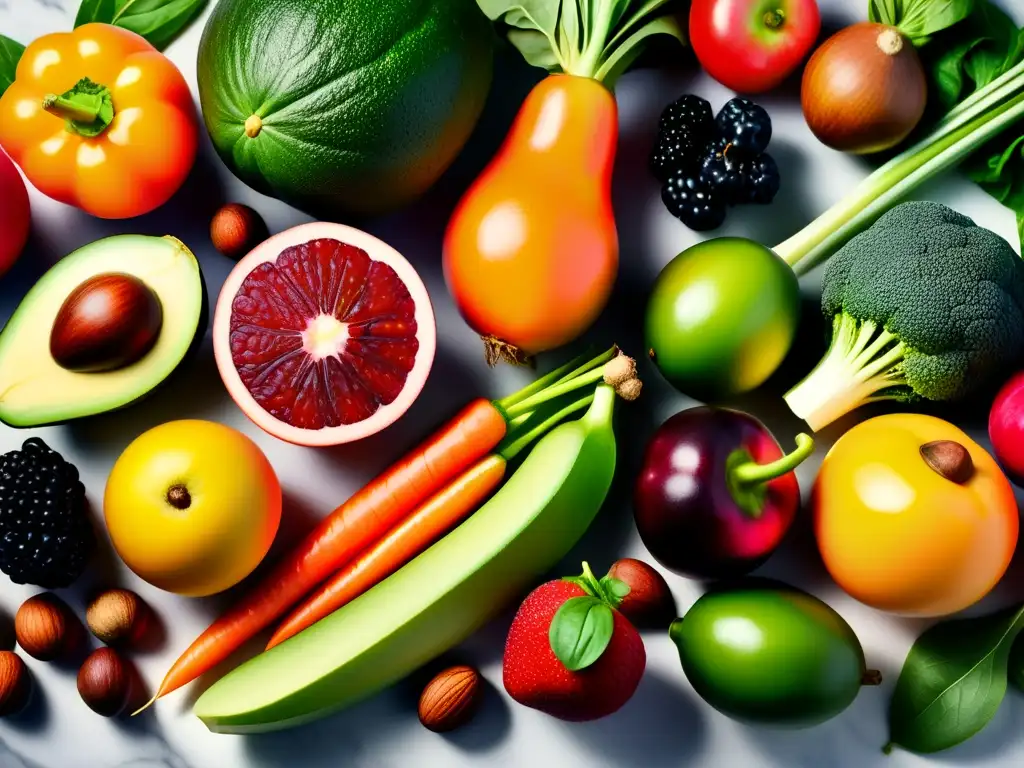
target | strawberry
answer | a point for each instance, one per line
(570, 653)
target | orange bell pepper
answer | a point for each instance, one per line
(99, 119)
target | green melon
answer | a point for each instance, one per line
(347, 107)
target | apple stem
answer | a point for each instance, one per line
(179, 497)
(751, 473)
(774, 19)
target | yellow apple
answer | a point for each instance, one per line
(192, 506)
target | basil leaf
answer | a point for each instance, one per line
(580, 631)
(920, 19)
(953, 681)
(101, 11)
(883, 12)
(159, 21)
(10, 55)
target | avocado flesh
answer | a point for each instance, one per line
(35, 390)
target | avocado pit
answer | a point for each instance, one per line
(109, 322)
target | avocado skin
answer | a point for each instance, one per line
(763, 652)
(188, 356)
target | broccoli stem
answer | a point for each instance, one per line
(863, 365)
(985, 114)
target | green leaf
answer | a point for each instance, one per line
(570, 41)
(1017, 652)
(629, 49)
(10, 55)
(100, 11)
(580, 631)
(920, 19)
(533, 29)
(883, 12)
(159, 21)
(953, 681)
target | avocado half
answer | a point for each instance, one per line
(36, 391)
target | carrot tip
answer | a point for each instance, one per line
(146, 706)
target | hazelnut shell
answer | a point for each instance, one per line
(45, 627)
(117, 617)
(15, 684)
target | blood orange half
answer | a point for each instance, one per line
(324, 334)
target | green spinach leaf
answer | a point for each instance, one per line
(101, 11)
(919, 19)
(953, 681)
(159, 21)
(10, 55)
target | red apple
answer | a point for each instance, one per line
(751, 46)
(15, 214)
(1006, 427)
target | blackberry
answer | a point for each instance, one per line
(690, 111)
(45, 535)
(676, 150)
(745, 125)
(696, 205)
(723, 172)
(762, 180)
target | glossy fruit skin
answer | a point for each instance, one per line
(898, 536)
(531, 252)
(721, 317)
(736, 44)
(534, 677)
(684, 508)
(765, 653)
(144, 155)
(15, 214)
(228, 524)
(1006, 427)
(363, 104)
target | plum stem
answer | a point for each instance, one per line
(751, 473)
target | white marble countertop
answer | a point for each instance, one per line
(665, 724)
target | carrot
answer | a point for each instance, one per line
(433, 519)
(406, 540)
(368, 515)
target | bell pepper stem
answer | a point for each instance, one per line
(751, 473)
(83, 109)
(86, 109)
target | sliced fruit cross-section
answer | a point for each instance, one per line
(324, 334)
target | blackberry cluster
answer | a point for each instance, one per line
(45, 535)
(707, 163)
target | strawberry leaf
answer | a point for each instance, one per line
(580, 631)
(615, 590)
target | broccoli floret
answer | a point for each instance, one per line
(924, 305)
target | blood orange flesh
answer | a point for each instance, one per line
(324, 334)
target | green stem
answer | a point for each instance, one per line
(891, 182)
(600, 360)
(774, 19)
(589, 62)
(512, 445)
(557, 390)
(81, 109)
(752, 473)
(554, 377)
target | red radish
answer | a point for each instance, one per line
(15, 213)
(751, 46)
(324, 334)
(536, 677)
(1006, 427)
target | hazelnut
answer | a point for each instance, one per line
(236, 229)
(104, 682)
(649, 603)
(45, 627)
(450, 699)
(117, 617)
(15, 684)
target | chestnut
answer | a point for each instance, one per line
(108, 322)
(104, 682)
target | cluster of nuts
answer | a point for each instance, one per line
(47, 630)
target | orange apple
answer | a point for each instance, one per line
(192, 506)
